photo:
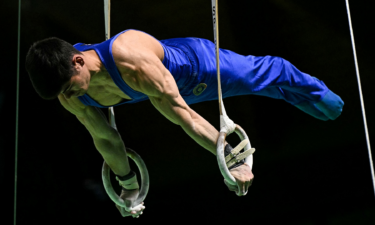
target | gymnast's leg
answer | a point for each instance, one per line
(307, 93)
(277, 78)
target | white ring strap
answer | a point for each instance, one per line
(227, 126)
(131, 183)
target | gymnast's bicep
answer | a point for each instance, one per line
(91, 117)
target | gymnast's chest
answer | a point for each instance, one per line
(105, 92)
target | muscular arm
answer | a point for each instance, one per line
(143, 71)
(138, 57)
(106, 139)
(172, 106)
(164, 95)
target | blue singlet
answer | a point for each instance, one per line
(192, 63)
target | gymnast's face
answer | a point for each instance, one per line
(79, 82)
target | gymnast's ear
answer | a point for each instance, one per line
(78, 59)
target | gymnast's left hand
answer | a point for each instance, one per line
(244, 178)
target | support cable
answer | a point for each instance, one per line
(360, 94)
(17, 110)
(227, 126)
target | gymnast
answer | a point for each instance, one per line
(133, 66)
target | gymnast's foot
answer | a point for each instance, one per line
(244, 178)
(331, 105)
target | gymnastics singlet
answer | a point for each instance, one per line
(192, 62)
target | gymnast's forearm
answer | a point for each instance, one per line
(177, 111)
(201, 131)
(114, 153)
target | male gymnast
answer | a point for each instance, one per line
(133, 66)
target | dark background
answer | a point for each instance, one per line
(306, 171)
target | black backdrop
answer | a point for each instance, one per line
(306, 171)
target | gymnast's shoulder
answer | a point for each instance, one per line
(135, 46)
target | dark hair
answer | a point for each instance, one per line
(49, 64)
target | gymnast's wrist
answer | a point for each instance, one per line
(128, 182)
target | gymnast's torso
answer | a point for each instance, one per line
(179, 56)
(191, 61)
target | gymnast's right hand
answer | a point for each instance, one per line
(129, 196)
(244, 178)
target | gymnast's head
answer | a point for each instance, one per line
(56, 67)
